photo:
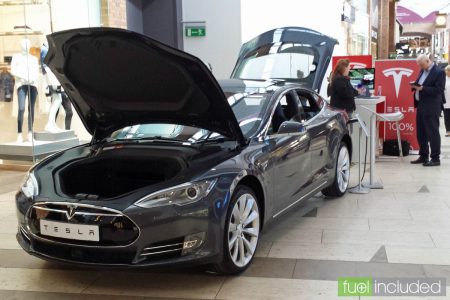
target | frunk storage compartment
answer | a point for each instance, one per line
(111, 176)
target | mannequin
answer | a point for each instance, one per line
(25, 68)
(56, 94)
(68, 110)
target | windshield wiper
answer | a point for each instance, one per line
(152, 139)
(203, 141)
(216, 139)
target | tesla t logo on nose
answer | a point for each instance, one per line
(397, 74)
(356, 65)
(70, 212)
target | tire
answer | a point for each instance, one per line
(341, 173)
(245, 237)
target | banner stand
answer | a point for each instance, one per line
(392, 77)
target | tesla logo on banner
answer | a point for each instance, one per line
(397, 74)
(355, 65)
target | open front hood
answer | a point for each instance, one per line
(294, 54)
(116, 78)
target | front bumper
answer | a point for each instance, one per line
(161, 240)
(109, 257)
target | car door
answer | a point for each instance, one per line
(316, 125)
(290, 163)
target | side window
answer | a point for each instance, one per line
(278, 116)
(311, 103)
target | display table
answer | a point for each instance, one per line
(44, 144)
(364, 114)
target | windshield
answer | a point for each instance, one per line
(289, 61)
(247, 107)
(249, 110)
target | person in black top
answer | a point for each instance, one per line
(341, 91)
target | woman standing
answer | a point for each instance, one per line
(447, 103)
(341, 90)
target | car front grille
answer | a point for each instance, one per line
(86, 255)
(115, 229)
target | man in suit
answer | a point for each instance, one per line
(428, 100)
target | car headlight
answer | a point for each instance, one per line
(178, 195)
(30, 186)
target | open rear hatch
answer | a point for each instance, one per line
(292, 54)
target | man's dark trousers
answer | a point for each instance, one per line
(429, 108)
(428, 134)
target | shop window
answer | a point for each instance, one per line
(37, 118)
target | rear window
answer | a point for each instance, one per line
(289, 61)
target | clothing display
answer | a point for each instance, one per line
(68, 110)
(36, 52)
(44, 50)
(6, 86)
(55, 92)
(25, 67)
(22, 92)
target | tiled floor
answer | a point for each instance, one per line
(402, 230)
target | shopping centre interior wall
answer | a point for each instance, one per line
(323, 16)
(223, 40)
(135, 20)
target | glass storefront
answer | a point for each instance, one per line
(357, 26)
(36, 117)
(360, 32)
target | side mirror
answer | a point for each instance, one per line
(291, 127)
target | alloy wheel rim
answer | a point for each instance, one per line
(243, 230)
(343, 169)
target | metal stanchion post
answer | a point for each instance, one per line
(373, 143)
(359, 189)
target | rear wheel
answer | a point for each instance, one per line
(241, 233)
(342, 174)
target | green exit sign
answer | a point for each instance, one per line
(195, 31)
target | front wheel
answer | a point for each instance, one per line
(241, 233)
(342, 174)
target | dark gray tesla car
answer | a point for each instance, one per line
(181, 170)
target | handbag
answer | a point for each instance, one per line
(390, 148)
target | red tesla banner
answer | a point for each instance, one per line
(393, 77)
(356, 61)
